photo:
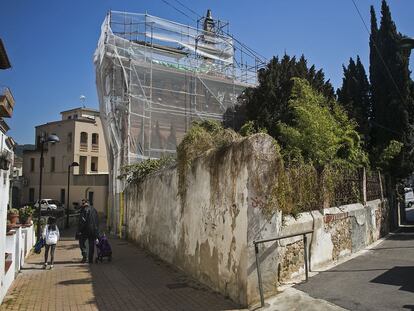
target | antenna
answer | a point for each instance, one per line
(82, 99)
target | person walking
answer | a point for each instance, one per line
(51, 236)
(88, 230)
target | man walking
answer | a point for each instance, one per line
(88, 230)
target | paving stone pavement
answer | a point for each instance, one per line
(134, 280)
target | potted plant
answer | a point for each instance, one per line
(5, 160)
(13, 215)
(25, 215)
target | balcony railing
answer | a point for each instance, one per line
(83, 147)
(6, 102)
(95, 147)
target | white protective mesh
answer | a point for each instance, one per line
(154, 77)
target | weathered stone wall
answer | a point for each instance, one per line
(209, 232)
(205, 233)
(338, 232)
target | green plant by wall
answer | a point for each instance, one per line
(320, 130)
(250, 128)
(295, 190)
(203, 136)
(136, 173)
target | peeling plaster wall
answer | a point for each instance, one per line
(210, 233)
(338, 232)
(206, 234)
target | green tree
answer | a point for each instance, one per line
(392, 101)
(320, 133)
(354, 96)
(267, 103)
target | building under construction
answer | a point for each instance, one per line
(155, 76)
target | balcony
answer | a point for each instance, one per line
(83, 147)
(6, 102)
(95, 148)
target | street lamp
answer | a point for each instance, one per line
(50, 139)
(67, 204)
(407, 43)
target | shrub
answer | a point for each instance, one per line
(136, 173)
(320, 130)
(203, 136)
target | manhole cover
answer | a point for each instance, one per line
(177, 285)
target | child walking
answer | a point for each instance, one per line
(51, 236)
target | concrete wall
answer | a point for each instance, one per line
(205, 232)
(18, 244)
(4, 200)
(209, 231)
(338, 232)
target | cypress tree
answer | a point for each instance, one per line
(391, 99)
(354, 96)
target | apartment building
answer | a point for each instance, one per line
(81, 141)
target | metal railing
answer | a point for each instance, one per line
(256, 251)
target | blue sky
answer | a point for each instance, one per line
(51, 43)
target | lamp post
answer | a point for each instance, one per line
(50, 139)
(67, 204)
(407, 43)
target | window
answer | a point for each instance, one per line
(95, 142)
(90, 198)
(52, 164)
(75, 116)
(84, 141)
(32, 164)
(95, 139)
(94, 164)
(84, 137)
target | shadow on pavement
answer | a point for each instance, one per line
(76, 282)
(136, 280)
(398, 276)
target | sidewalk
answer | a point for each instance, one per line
(134, 280)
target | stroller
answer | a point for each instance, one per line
(103, 249)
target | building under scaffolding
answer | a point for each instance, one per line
(154, 77)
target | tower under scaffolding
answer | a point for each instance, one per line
(155, 76)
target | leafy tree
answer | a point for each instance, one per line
(267, 104)
(354, 96)
(321, 133)
(392, 100)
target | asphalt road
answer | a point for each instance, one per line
(380, 279)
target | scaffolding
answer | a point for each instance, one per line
(155, 76)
